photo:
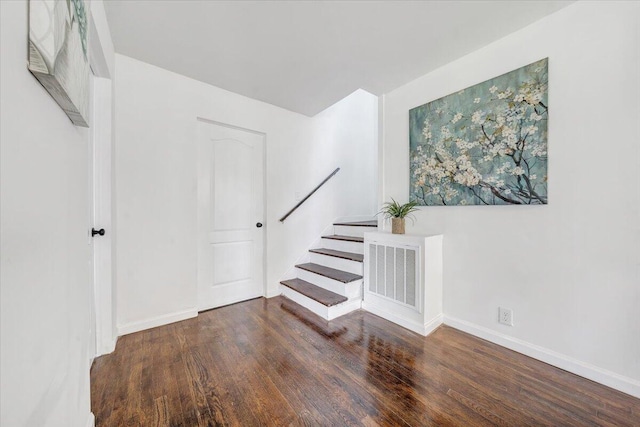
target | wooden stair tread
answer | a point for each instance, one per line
(371, 223)
(345, 238)
(339, 254)
(331, 273)
(314, 292)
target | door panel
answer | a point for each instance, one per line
(232, 262)
(232, 185)
(231, 202)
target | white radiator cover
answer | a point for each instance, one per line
(403, 279)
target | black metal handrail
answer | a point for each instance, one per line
(309, 195)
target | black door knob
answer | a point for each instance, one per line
(259, 225)
(94, 232)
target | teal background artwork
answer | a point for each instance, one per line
(58, 31)
(484, 145)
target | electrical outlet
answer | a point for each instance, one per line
(505, 316)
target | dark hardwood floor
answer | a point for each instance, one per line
(272, 363)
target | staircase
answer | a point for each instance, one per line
(330, 285)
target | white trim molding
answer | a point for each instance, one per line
(422, 329)
(103, 277)
(432, 324)
(599, 375)
(273, 292)
(107, 346)
(165, 319)
(91, 420)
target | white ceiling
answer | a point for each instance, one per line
(306, 55)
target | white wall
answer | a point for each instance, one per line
(570, 269)
(156, 112)
(46, 296)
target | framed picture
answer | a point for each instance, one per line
(58, 57)
(484, 145)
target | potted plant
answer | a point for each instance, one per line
(398, 213)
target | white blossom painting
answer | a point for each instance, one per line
(484, 145)
(58, 54)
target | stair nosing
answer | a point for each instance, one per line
(306, 268)
(326, 291)
(357, 224)
(344, 238)
(351, 258)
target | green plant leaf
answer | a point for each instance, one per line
(394, 209)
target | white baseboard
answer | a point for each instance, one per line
(111, 345)
(91, 420)
(107, 346)
(422, 329)
(344, 308)
(153, 322)
(602, 376)
(433, 324)
(273, 292)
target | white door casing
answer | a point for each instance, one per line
(101, 177)
(230, 207)
(91, 197)
(102, 216)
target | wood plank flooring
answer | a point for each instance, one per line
(271, 363)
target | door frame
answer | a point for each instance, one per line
(103, 274)
(202, 218)
(103, 201)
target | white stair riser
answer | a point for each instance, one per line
(319, 309)
(349, 290)
(344, 308)
(342, 245)
(327, 313)
(347, 265)
(346, 230)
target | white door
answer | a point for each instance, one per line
(230, 215)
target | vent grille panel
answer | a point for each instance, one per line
(411, 278)
(372, 268)
(380, 270)
(392, 273)
(389, 282)
(400, 279)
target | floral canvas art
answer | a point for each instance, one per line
(58, 31)
(484, 145)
